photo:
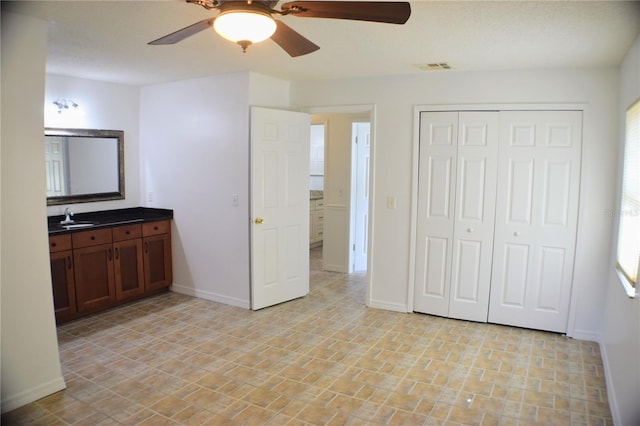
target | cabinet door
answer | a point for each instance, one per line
(93, 271)
(157, 262)
(129, 274)
(64, 296)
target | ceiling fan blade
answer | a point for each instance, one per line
(291, 41)
(373, 11)
(184, 33)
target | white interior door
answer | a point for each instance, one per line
(279, 206)
(478, 138)
(536, 218)
(456, 206)
(360, 179)
(436, 204)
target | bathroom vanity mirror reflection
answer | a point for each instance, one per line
(84, 165)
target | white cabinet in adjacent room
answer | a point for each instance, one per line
(316, 222)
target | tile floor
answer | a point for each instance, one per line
(322, 359)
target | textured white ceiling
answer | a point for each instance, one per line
(107, 40)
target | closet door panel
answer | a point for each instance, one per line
(536, 209)
(512, 277)
(436, 203)
(474, 215)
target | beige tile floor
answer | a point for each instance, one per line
(322, 359)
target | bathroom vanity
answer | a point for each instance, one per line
(107, 258)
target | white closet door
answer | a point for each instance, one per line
(536, 218)
(456, 205)
(436, 203)
(478, 137)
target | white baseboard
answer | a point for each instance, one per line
(611, 391)
(214, 297)
(585, 335)
(396, 307)
(25, 397)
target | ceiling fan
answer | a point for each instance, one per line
(250, 21)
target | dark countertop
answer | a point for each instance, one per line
(107, 218)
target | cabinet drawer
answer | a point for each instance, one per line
(59, 243)
(127, 232)
(156, 228)
(91, 238)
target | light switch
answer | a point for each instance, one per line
(391, 202)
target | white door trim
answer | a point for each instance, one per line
(417, 109)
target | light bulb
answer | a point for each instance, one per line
(245, 26)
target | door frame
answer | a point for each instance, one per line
(417, 109)
(371, 110)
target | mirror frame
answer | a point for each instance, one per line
(100, 196)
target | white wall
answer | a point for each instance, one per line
(621, 322)
(195, 150)
(106, 106)
(30, 361)
(395, 98)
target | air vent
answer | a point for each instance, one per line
(433, 67)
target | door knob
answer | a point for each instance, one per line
(469, 230)
(259, 220)
(517, 234)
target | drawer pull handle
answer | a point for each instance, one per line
(110, 254)
(155, 228)
(117, 253)
(146, 247)
(93, 237)
(127, 232)
(68, 262)
(53, 244)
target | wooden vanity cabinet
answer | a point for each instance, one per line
(93, 269)
(128, 264)
(62, 280)
(99, 268)
(158, 272)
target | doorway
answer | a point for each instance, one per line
(346, 161)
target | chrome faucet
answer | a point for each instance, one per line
(67, 216)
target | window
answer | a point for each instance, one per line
(628, 253)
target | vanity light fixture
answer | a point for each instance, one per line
(64, 104)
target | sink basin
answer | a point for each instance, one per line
(77, 225)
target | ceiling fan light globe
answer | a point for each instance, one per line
(243, 25)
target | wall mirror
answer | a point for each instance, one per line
(84, 165)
